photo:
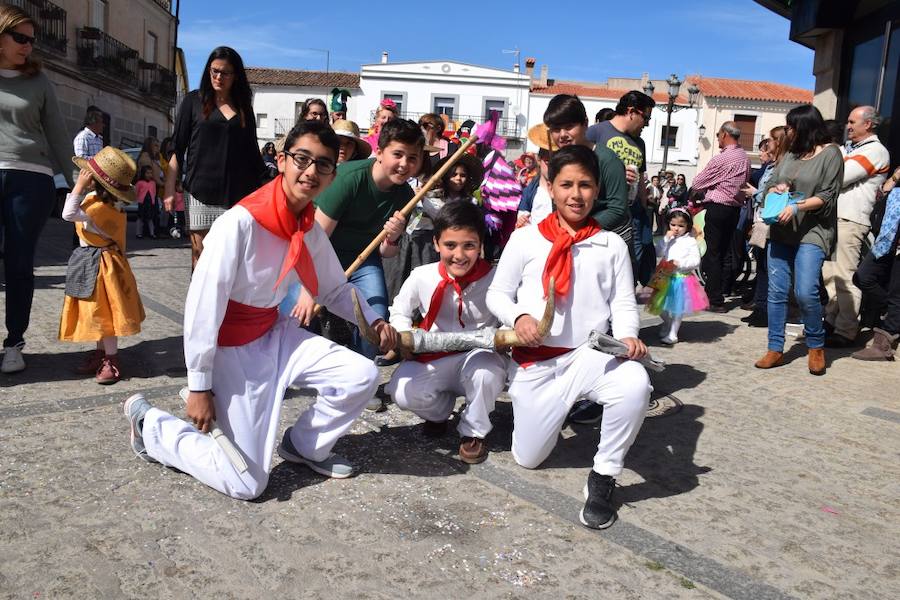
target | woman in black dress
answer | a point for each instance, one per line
(215, 146)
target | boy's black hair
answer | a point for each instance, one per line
(680, 212)
(404, 131)
(575, 154)
(460, 214)
(564, 109)
(634, 99)
(323, 131)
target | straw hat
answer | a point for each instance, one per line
(539, 135)
(349, 129)
(113, 169)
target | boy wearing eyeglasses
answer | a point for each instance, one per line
(241, 356)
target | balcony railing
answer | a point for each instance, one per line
(99, 51)
(156, 81)
(166, 4)
(506, 126)
(50, 23)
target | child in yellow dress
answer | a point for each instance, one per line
(102, 301)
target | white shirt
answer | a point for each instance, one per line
(542, 205)
(682, 249)
(866, 165)
(72, 212)
(241, 261)
(416, 294)
(602, 287)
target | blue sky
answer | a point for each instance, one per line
(716, 38)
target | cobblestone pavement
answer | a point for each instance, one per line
(765, 485)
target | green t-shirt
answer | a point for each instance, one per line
(611, 208)
(360, 208)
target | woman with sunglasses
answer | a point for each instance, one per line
(215, 146)
(33, 146)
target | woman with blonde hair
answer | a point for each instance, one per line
(33, 146)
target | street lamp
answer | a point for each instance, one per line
(674, 86)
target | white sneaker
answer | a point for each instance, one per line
(668, 341)
(13, 362)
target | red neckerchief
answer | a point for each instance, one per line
(559, 261)
(268, 205)
(481, 268)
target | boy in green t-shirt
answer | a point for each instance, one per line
(365, 198)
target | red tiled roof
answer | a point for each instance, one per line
(262, 76)
(714, 87)
(742, 89)
(589, 90)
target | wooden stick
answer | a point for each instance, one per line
(411, 204)
(374, 244)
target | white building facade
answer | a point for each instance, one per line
(459, 90)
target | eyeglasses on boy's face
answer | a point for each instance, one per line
(324, 166)
(20, 38)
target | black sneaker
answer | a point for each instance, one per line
(598, 511)
(586, 412)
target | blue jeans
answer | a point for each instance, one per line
(804, 262)
(26, 200)
(369, 279)
(644, 251)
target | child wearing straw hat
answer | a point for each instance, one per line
(102, 302)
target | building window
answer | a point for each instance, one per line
(98, 14)
(747, 125)
(445, 105)
(152, 131)
(668, 137)
(262, 120)
(398, 100)
(150, 47)
(497, 105)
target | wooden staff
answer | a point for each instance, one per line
(411, 204)
(374, 244)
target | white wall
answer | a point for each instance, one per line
(421, 82)
(278, 102)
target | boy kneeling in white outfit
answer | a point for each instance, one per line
(242, 355)
(594, 287)
(451, 295)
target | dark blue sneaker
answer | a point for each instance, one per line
(598, 511)
(585, 412)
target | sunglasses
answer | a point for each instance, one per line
(220, 73)
(20, 38)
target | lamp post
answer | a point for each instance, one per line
(674, 86)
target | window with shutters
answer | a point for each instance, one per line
(747, 125)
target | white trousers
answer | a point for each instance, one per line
(430, 389)
(249, 383)
(844, 298)
(542, 399)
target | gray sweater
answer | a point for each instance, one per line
(31, 126)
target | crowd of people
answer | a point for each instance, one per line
(470, 271)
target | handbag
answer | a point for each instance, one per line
(759, 234)
(776, 202)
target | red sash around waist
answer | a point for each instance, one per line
(427, 357)
(244, 323)
(527, 356)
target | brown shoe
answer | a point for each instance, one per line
(816, 360)
(108, 373)
(472, 450)
(881, 348)
(434, 429)
(91, 362)
(770, 360)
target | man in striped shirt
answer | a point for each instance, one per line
(89, 140)
(720, 181)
